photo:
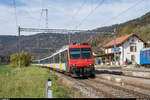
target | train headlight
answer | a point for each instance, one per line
(90, 65)
(73, 65)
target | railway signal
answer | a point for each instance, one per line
(49, 92)
(115, 45)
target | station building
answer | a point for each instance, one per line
(128, 46)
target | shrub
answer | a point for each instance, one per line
(25, 59)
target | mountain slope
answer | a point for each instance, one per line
(39, 45)
(140, 26)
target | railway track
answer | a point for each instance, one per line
(119, 91)
(137, 77)
(99, 88)
(105, 94)
(116, 73)
(136, 70)
(127, 84)
(91, 91)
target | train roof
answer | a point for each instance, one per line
(73, 46)
(58, 51)
(63, 49)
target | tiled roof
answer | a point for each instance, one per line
(121, 40)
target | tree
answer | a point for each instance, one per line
(126, 30)
(25, 59)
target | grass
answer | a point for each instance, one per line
(28, 82)
(4, 69)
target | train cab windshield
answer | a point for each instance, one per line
(80, 53)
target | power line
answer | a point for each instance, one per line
(82, 5)
(15, 13)
(40, 17)
(123, 12)
(46, 17)
(29, 11)
(79, 9)
(42, 3)
(92, 11)
(75, 14)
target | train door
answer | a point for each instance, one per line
(60, 61)
(66, 61)
(54, 61)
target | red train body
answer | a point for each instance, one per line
(81, 64)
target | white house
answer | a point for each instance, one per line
(129, 49)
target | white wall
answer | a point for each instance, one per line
(108, 50)
(126, 49)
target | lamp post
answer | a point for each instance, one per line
(115, 45)
(19, 47)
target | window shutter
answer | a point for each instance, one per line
(130, 48)
(135, 48)
(107, 51)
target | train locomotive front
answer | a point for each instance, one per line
(81, 61)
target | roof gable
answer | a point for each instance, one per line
(121, 40)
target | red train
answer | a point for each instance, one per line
(77, 60)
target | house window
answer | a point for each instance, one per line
(132, 48)
(132, 40)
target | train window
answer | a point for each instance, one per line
(46, 61)
(74, 53)
(50, 60)
(57, 58)
(37, 62)
(53, 59)
(63, 55)
(80, 53)
(86, 53)
(66, 56)
(42, 62)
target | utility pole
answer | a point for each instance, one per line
(46, 19)
(115, 45)
(19, 46)
(69, 37)
(38, 45)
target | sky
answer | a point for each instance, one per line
(68, 14)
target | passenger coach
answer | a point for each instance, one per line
(77, 60)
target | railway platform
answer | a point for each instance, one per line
(125, 70)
